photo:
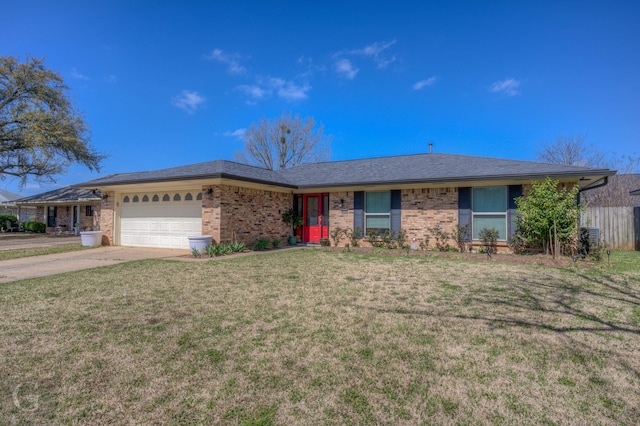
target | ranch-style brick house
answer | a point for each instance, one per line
(232, 201)
(66, 210)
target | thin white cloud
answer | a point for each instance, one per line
(508, 87)
(289, 90)
(285, 89)
(345, 68)
(255, 92)
(189, 101)
(377, 52)
(425, 83)
(238, 134)
(77, 74)
(231, 60)
(112, 78)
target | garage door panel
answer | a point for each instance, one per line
(159, 224)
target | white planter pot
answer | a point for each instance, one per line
(91, 238)
(199, 242)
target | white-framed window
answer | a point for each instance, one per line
(489, 210)
(377, 211)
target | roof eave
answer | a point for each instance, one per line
(96, 184)
(529, 176)
(42, 202)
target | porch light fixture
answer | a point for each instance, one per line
(341, 203)
(105, 196)
(208, 192)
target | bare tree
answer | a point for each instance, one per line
(616, 192)
(284, 142)
(571, 151)
(41, 133)
(574, 151)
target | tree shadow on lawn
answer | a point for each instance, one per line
(556, 304)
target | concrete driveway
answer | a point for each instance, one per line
(40, 266)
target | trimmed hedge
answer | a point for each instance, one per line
(7, 217)
(34, 226)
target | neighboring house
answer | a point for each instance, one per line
(617, 193)
(232, 201)
(7, 205)
(65, 208)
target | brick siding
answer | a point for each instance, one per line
(63, 217)
(426, 208)
(244, 214)
(105, 217)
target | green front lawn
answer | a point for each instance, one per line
(39, 251)
(313, 337)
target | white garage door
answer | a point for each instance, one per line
(160, 219)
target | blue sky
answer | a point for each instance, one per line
(164, 84)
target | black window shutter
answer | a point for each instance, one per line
(358, 210)
(396, 206)
(464, 209)
(515, 191)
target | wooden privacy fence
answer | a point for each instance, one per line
(619, 226)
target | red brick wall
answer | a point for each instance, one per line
(105, 218)
(426, 208)
(421, 209)
(244, 214)
(340, 217)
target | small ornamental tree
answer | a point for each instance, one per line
(549, 215)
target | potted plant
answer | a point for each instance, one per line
(290, 217)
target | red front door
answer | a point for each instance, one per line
(316, 217)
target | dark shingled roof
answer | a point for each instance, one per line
(207, 170)
(405, 169)
(68, 194)
(421, 168)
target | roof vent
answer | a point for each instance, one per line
(430, 147)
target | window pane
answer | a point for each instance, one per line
(51, 217)
(490, 199)
(377, 222)
(490, 221)
(312, 211)
(300, 206)
(325, 210)
(378, 202)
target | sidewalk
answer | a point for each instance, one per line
(40, 266)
